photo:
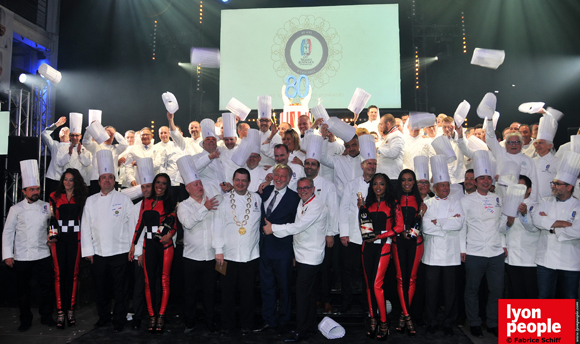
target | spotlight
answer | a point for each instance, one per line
(436, 58)
(22, 78)
(49, 73)
(224, 0)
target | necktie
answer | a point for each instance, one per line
(146, 147)
(271, 205)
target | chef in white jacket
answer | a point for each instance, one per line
(309, 233)
(441, 225)
(54, 171)
(521, 242)
(145, 149)
(197, 214)
(25, 250)
(75, 155)
(558, 254)
(546, 162)
(392, 148)
(230, 145)
(106, 235)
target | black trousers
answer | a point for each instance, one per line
(437, 277)
(139, 291)
(305, 297)
(42, 270)
(66, 255)
(199, 276)
(116, 267)
(351, 270)
(326, 272)
(242, 275)
(523, 281)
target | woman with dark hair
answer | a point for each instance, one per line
(67, 204)
(408, 246)
(157, 217)
(292, 140)
(387, 222)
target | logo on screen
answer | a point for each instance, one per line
(305, 47)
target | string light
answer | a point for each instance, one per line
(201, 12)
(463, 32)
(154, 38)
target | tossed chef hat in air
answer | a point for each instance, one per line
(320, 112)
(145, 170)
(439, 169)
(488, 58)
(170, 102)
(367, 146)
(442, 145)
(105, 162)
(76, 122)
(487, 106)
(461, 112)
(475, 143)
(95, 115)
(340, 129)
(187, 169)
(238, 108)
(531, 107)
(418, 120)
(29, 171)
(229, 120)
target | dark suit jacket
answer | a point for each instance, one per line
(285, 212)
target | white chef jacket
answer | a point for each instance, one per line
(348, 223)
(346, 168)
(483, 232)
(24, 235)
(187, 142)
(166, 160)
(257, 176)
(325, 191)
(94, 147)
(198, 229)
(456, 168)
(415, 146)
(82, 162)
(390, 155)
(546, 169)
(528, 168)
(442, 240)
(566, 147)
(122, 170)
(333, 148)
(229, 166)
(267, 150)
(211, 173)
(227, 239)
(522, 238)
(138, 151)
(297, 173)
(371, 125)
(560, 251)
(54, 171)
(308, 231)
(106, 225)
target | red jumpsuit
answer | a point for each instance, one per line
(386, 224)
(156, 255)
(407, 254)
(66, 252)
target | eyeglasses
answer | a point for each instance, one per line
(558, 184)
(423, 182)
(303, 188)
(513, 142)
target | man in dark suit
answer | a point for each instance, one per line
(279, 205)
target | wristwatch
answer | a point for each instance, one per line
(552, 230)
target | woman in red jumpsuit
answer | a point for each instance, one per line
(408, 247)
(155, 228)
(67, 204)
(387, 222)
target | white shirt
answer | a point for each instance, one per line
(442, 240)
(54, 171)
(346, 168)
(106, 225)
(24, 235)
(279, 194)
(348, 224)
(566, 147)
(257, 176)
(522, 238)
(297, 173)
(325, 191)
(187, 142)
(211, 173)
(457, 167)
(483, 232)
(227, 239)
(93, 147)
(198, 229)
(166, 160)
(267, 150)
(371, 125)
(229, 166)
(560, 251)
(82, 161)
(135, 212)
(333, 149)
(546, 169)
(138, 151)
(308, 231)
(390, 155)
(415, 146)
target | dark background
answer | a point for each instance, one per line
(106, 47)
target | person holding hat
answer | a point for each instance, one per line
(374, 119)
(483, 246)
(210, 167)
(392, 148)
(441, 225)
(416, 145)
(558, 253)
(25, 250)
(75, 155)
(197, 215)
(54, 171)
(166, 161)
(307, 232)
(194, 143)
(230, 144)
(282, 155)
(457, 167)
(105, 241)
(268, 138)
(546, 163)
(145, 149)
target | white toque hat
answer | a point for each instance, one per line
(547, 128)
(29, 172)
(97, 132)
(315, 147)
(514, 196)
(264, 107)
(569, 168)
(421, 163)
(482, 164)
(475, 143)
(575, 143)
(487, 106)
(442, 145)
(254, 136)
(76, 122)
(368, 150)
(249, 145)
(557, 114)
(418, 120)
(439, 169)
(170, 102)
(340, 129)
(105, 162)
(531, 107)
(461, 112)
(187, 169)
(238, 108)
(488, 58)
(229, 120)
(207, 128)
(145, 171)
(95, 115)
(358, 101)
(320, 112)
(509, 173)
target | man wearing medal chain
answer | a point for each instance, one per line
(236, 244)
